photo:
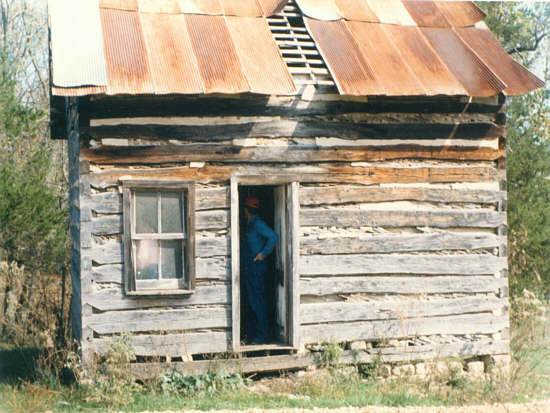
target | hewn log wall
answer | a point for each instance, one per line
(402, 217)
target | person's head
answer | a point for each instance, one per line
(252, 205)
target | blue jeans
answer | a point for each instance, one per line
(255, 282)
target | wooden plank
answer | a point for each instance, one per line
(205, 220)
(299, 129)
(206, 198)
(394, 243)
(340, 174)
(114, 299)
(315, 313)
(477, 218)
(256, 105)
(136, 155)
(483, 323)
(294, 262)
(172, 345)
(298, 361)
(216, 268)
(321, 286)
(235, 267)
(358, 264)
(344, 194)
(159, 320)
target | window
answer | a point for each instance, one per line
(158, 237)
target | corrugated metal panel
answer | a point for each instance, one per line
(172, 61)
(244, 8)
(219, 64)
(391, 71)
(351, 73)
(210, 7)
(126, 56)
(77, 40)
(158, 6)
(461, 13)
(78, 91)
(423, 61)
(476, 77)
(356, 10)
(271, 7)
(391, 12)
(517, 78)
(119, 4)
(426, 13)
(260, 58)
(319, 9)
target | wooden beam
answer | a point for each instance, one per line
(394, 243)
(113, 299)
(135, 155)
(346, 194)
(351, 264)
(299, 129)
(483, 323)
(340, 174)
(398, 308)
(444, 284)
(423, 218)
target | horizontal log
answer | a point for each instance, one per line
(216, 268)
(358, 264)
(117, 155)
(340, 174)
(114, 299)
(299, 129)
(111, 202)
(115, 322)
(171, 345)
(315, 313)
(484, 323)
(169, 106)
(294, 361)
(204, 220)
(391, 243)
(343, 194)
(322, 286)
(386, 218)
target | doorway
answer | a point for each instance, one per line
(278, 210)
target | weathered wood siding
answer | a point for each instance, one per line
(403, 223)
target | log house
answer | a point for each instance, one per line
(376, 134)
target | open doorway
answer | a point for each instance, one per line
(263, 285)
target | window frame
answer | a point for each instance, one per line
(134, 287)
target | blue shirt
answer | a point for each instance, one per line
(260, 239)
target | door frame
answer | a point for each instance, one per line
(293, 255)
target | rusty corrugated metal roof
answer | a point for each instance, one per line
(518, 79)
(471, 72)
(218, 61)
(173, 64)
(371, 47)
(125, 54)
(254, 51)
(414, 50)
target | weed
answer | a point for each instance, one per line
(175, 382)
(330, 355)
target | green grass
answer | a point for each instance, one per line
(21, 391)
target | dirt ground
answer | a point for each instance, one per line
(533, 407)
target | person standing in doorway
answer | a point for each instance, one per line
(259, 244)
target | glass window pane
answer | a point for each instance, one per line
(146, 212)
(172, 259)
(147, 260)
(171, 212)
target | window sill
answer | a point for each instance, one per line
(157, 293)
